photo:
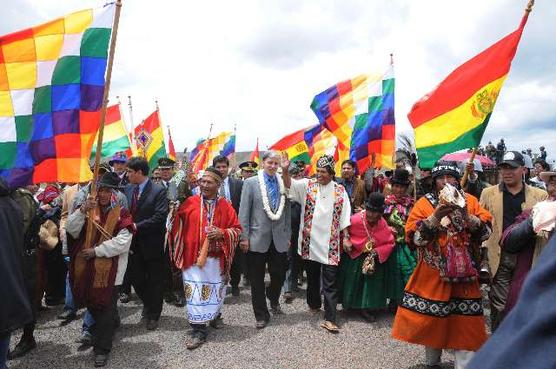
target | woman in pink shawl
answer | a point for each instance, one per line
(362, 270)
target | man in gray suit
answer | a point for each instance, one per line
(264, 214)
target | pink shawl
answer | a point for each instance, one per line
(380, 232)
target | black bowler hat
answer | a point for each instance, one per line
(401, 177)
(110, 180)
(375, 202)
(166, 163)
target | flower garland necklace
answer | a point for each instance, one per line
(266, 202)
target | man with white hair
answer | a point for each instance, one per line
(264, 214)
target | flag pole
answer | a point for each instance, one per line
(161, 125)
(528, 10)
(130, 106)
(234, 159)
(112, 50)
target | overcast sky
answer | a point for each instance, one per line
(258, 64)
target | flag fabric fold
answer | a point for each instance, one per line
(455, 114)
(360, 113)
(52, 80)
(115, 138)
(255, 155)
(171, 149)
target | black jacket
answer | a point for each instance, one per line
(236, 186)
(150, 219)
(15, 309)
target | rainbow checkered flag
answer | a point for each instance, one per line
(52, 80)
(360, 113)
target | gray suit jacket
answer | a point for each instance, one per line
(257, 226)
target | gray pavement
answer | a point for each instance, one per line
(293, 340)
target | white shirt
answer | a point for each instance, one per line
(321, 226)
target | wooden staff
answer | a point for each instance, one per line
(466, 172)
(93, 192)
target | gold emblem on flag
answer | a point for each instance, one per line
(484, 103)
(300, 147)
(144, 139)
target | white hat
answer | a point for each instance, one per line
(545, 176)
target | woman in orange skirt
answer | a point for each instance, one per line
(442, 305)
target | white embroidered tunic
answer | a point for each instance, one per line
(325, 212)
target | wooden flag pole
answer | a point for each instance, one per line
(112, 49)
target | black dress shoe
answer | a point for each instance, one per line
(368, 316)
(50, 301)
(288, 297)
(260, 324)
(180, 302)
(235, 291)
(67, 315)
(217, 323)
(86, 339)
(100, 360)
(22, 348)
(152, 324)
(276, 309)
(124, 298)
(246, 282)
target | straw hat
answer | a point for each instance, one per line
(48, 234)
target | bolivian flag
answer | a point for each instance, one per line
(454, 116)
(294, 145)
(150, 139)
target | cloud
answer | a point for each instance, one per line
(257, 64)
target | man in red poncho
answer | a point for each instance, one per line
(203, 238)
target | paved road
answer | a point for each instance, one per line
(294, 340)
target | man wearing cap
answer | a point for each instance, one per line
(231, 189)
(325, 216)
(354, 186)
(442, 303)
(118, 164)
(203, 238)
(505, 202)
(528, 236)
(248, 169)
(166, 172)
(97, 269)
(265, 215)
(173, 293)
(148, 204)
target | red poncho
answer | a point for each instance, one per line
(187, 234)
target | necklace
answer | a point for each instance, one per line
(266, 202)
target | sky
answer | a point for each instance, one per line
(257, 64)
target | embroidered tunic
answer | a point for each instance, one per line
(435, 312)
(325, 213)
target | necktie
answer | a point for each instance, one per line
(134, 200)
(273, 192)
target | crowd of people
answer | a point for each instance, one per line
(417, 242)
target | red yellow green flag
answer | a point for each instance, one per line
(171, 149)
(255, 155)
(150, 139)
(455, 115)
